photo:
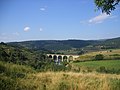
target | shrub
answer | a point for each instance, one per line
(99, 57)
(101, 69)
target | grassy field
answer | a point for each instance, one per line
(18, 77)
(108, 54)
(108, 65)
(105, 52)
(75, 81)
(94, 64)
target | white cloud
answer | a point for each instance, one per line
(40, 29)
(42, 9)
(99, 19)
(26, 29)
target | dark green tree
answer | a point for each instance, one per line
(107, 5)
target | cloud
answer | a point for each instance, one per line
(40, 29)
(42, 9)
(99, 19)
(26, 29)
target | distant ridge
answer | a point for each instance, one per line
(68, 44)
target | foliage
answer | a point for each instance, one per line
(11, 74)
(107, 5)
(53, 80)
(81, 52)
(99, 57)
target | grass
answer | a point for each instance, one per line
(105, 52)
(94, 64)
(19, 77)
(113, 65)
(11, 79)
(108, 54)
(72, 81)
(11, 76)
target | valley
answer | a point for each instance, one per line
(29, 62)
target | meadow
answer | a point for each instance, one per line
(110, 54)
(105, 66)
(19, 77)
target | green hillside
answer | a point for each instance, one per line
(23, 56)
(57, 45)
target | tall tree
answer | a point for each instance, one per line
(107, 5)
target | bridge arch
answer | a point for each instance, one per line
(65, 58)
(50, 56)
(55, 57)
(59, 58)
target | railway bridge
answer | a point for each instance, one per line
(60, 57)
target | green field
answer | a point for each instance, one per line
(94, 64)
(111, 66)
(113, 54)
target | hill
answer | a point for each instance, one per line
(58, 45)
(53, 44)
(23, 56)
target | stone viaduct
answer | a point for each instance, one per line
(60, 57)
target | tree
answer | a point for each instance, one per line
(81, 52)
(107, 5)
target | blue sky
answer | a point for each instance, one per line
(22, 20)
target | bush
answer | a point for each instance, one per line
(99, 57)
(101, 69)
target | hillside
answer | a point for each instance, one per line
(24, 56)
(52, 44)
(55, 45)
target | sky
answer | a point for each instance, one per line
(23, 20)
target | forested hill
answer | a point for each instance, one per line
(24, 56)
(68, 44)
(53, 44)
